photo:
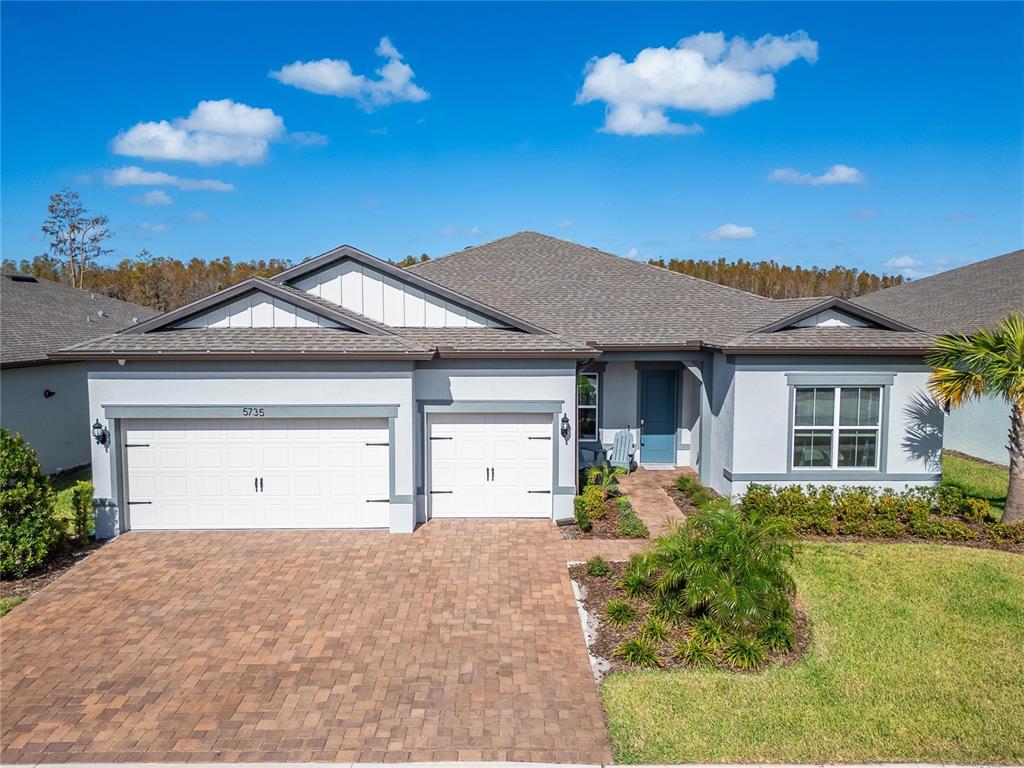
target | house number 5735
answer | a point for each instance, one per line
(252, 412)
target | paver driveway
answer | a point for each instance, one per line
(461, 641)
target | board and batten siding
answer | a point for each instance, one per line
(258, 310)
(382, 298)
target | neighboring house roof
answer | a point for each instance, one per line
(957, 301)
(39, 316)
(616, 303)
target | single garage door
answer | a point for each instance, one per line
(490, 465)
(272, 473)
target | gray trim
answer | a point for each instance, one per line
(235, 411)
(391, 459)
(491, 406)
(564, 490)
(401, 499)
(599, 372)
(324, 260)
(836, 476)
(840, 379)
(842, 305)
(805, 361)
(247, 286)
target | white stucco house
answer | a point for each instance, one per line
(47, 400)
(346, 392)
(960, 301)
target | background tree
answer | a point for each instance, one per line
(75, 237)
(987, 362)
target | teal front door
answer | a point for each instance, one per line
(658, 416)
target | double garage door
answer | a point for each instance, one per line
(273, 473)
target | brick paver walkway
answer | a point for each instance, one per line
(646, 491)
(461, 641)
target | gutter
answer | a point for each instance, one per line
(224, 355)
(887, 351)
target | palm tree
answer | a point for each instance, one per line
(989, 361)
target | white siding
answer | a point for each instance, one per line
(830, 318)
(387, 299)
(258, 310)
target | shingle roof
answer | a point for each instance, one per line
(957, 301)
(823, 341)
(466, 340)
(40, 316)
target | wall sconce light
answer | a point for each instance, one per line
(48, 393)
(565, 428)
(100, 434)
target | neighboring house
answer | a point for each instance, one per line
(346, 392)
(959, 301)
(46, 400)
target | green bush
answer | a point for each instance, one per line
(777, 635)
(745, 653)
(81, 504)
(640, 652)
(593, 502)
(668, 607)
(654, 629)
(694, 491)
(854, 509)
(29, 530)
(949, 500)
(975, 510)
(624, 504)
(708, 632)
(619, 612)
(1006, 533)
(634, 581)
(695, 652)
(631, 526)
(580, 514)
(598, 566)
(604, 476)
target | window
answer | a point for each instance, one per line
(828, 437)
(586, 406)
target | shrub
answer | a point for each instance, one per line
(603, 476)
(975, 510)
(708, 632)
(695, 652)
(744, 652)
(631, 526)
(668, 607)
(580, 514)
(777, 635)
(854, 509)
(883, 528)
(949, 500)
(593, 502)
(624, 504)
(619, 612)
(654, 629)
(640, 652)
(81, 505)
(635, 582)
(1006, 533)
(928, 527)
(598, 566)
(694, 491)
(28, 527)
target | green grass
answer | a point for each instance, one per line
(916, 655)
(6, 603)
(63, 485)
(976, 478)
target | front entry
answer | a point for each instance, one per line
(658, 416)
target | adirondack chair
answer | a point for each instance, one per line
(623, 450)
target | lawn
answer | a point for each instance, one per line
(6, 603)
(977, 478)
(916, 656)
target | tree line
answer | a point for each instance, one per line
(780, 281)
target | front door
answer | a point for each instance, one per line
(658, 416)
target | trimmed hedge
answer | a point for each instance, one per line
(29, 529)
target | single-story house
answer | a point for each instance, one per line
(960, 301)
(345, 392)
(47, 400)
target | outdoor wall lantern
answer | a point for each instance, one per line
(48, 393)
(565, 428)
(100, 434)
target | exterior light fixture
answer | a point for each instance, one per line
(100, 434)
(565, 428)
(48, 393)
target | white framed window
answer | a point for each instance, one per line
(829, 437)
(586, 406)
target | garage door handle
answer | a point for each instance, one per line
(261, 485)
(383, 444)
(539, 438)
(140, 502)
(377, 501)
(441, 491)
(439, 438)
(538, 491)
(136, 445)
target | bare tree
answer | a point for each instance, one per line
(75, 237)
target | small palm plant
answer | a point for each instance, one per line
(987, 362)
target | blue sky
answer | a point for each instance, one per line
(880, 136)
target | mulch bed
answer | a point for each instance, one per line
(605, 528)
(49, 571)
(598, 590)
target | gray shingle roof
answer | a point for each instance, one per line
(825, 340)
(40, 317)
(491, 340)
(957, 301)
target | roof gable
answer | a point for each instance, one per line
(833, 312)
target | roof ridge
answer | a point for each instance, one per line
(472, 248)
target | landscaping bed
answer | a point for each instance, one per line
(602, 512)
(54, 567)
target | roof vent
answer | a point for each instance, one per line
(135, 320)
(22, 278)
(92, 295)
(102, 313)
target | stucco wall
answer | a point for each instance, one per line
(540, 380)
(761, 447)
(723, 429)
(981, 429)
(56, 427)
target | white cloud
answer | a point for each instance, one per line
(153, 197)
(702, 73)
(563, 223)
(134, 176)
(155, 228)
(632, 253)
(198, 216)
(730, 232)
(214, 132)
(334, 77)
(451, 230)
(836, 174)
(903, 262)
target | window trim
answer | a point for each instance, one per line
(596, 376)
(881, 429)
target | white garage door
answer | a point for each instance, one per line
(490, 465)
(273, 473)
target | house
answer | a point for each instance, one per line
(345, 392)
(47, 400)
(959, 301)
